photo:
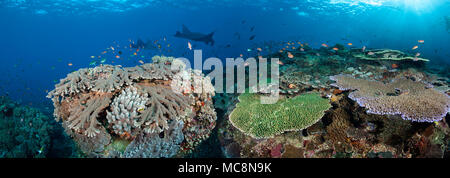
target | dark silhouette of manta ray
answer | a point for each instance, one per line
(195, 36)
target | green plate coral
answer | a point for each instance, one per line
(267, 120)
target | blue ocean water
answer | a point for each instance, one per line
(43, 40)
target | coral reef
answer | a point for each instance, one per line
(112, 111)
(414, 101)
(153, 146)
(347, 130)
(266, 120)
(24, 132)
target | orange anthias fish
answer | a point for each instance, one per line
(70, 64)
(290, 55)
(421, 41)
(189, 45)
(324, 45)
(336, 49)
(280, 63)
(415, 47)
(350, 44)
(416, 57)
(394, 66)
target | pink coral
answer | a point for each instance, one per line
(416, 101)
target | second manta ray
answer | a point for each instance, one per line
(195, 36)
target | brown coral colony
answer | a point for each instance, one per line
(127, 103)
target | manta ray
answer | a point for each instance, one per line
(195, 36)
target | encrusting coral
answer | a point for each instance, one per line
(107, 104)
(267, 120)
(416, 101)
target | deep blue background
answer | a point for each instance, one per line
(35, 49)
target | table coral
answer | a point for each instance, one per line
(415, 101)
(107, 107)
(267, 120)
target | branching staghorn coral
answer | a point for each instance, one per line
(162, 68)
(103, 107)
(104, 78)
(81, 113)
(108, 78)
(414, 101)
(163, 105)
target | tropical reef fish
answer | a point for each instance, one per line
(290, 55)
(195, 36)
(252, 37)
(189, 45)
